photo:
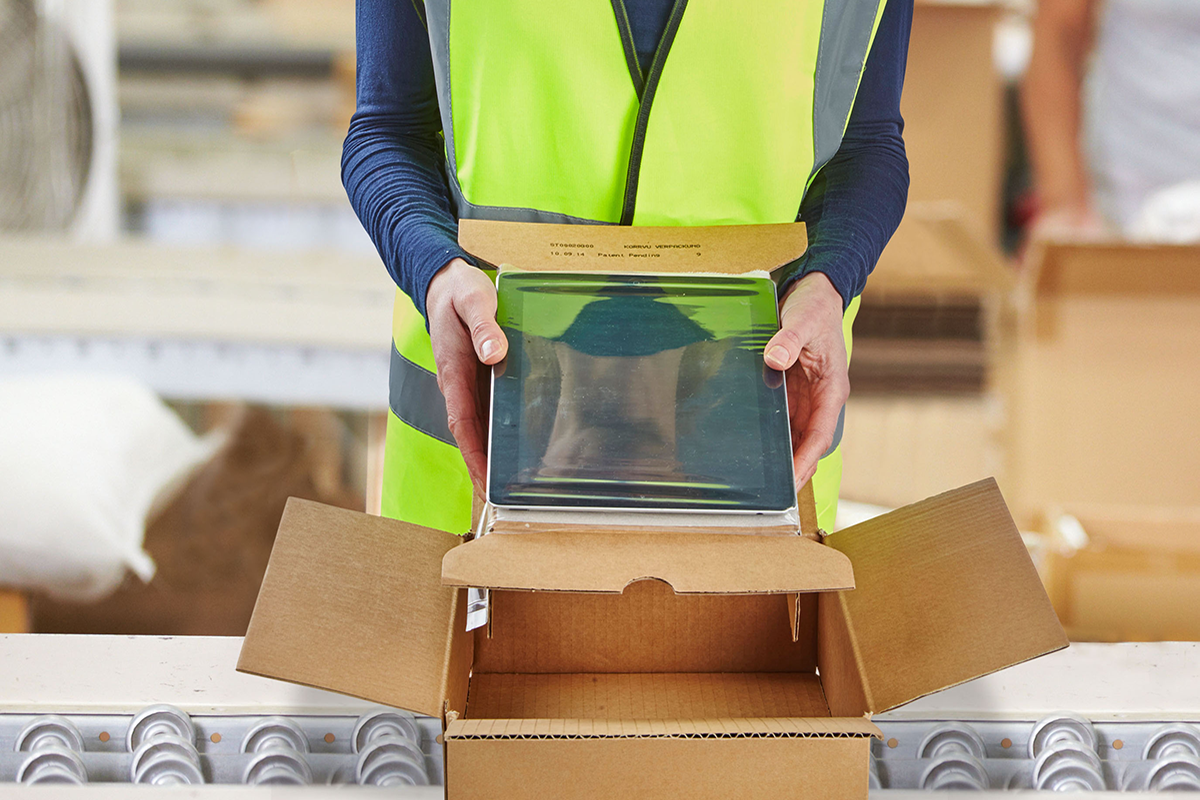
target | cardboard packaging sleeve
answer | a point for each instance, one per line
(661, 663)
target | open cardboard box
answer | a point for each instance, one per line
(660, 663)
(1124, 573)
(1101, 384)
(655, 665)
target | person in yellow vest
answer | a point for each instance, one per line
(628, 112)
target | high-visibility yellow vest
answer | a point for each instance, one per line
(547, 117)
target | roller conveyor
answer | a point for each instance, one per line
(89, 714)
(161, 745)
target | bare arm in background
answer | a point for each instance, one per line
(1052, 104)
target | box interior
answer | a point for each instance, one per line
(647, 653)
(646, 696)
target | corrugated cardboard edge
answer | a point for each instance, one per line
(935, 251)
(616, 249)
(794, 612)
(1064, 266)
(739, 728)
(702, 563)
(313, 625)
(907, 527)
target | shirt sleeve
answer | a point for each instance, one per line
(857, 200)
(393, 163)
(394, 171)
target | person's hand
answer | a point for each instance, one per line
(1075, 222)
(460, 305)
(811, 350)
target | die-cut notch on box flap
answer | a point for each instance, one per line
(691, 563)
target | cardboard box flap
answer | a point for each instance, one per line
(946, 593)
(732, 249)
(1161, 530)
(935, 251)
(352, 603)
(692, 563)
(1125, 269)
(747, 727)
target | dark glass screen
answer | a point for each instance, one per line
(635, 391)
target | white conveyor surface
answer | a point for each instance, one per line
(1106, 683)
(1153, 680)
(1158, 681)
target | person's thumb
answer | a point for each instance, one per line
(784, 348)
(478, 312)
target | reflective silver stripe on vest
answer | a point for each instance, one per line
(437, 15)
(415, 398)
(837, 432)
(846, 28)
(468, 210)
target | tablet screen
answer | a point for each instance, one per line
(638, 392)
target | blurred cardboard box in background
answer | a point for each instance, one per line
(1101, 388)
(923, 414)
(1124, 573)
(14, 612)
(953, 108)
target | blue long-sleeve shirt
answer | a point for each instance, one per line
(393, 159)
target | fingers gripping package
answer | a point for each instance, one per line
(639, 392)
(634, 391)
(660, 658)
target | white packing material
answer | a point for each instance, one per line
(851, 513)
(83, 460)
